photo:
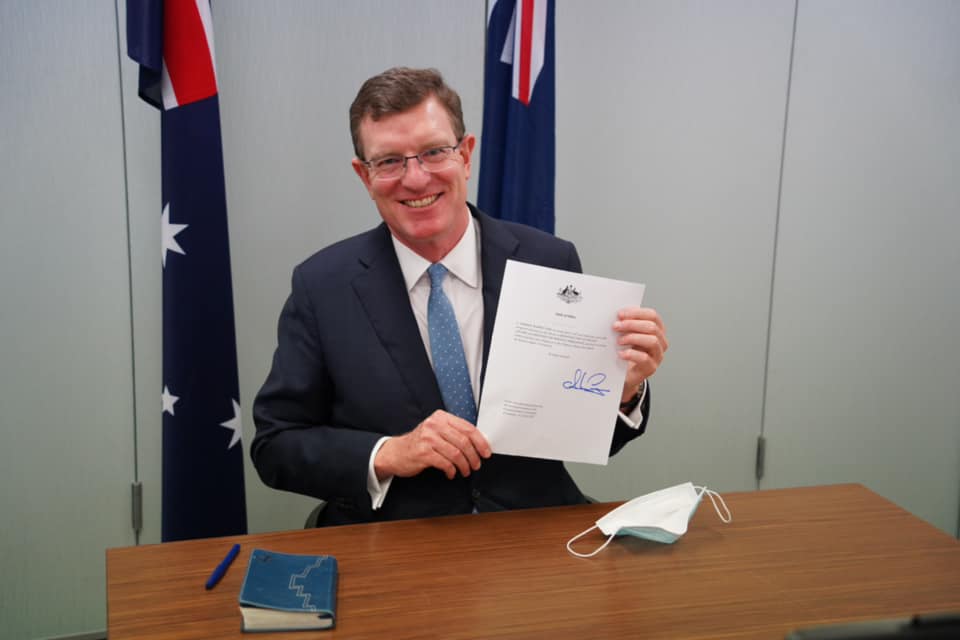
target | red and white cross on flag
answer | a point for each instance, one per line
(189, 71)
(517, 165)
(527, 43)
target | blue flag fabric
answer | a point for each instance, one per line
(203, 488)
(145, 45)
(517, 151)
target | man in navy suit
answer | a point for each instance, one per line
(351, 411)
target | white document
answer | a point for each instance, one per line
(553, 381)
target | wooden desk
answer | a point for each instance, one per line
(791, 558)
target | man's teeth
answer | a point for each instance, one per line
(422, 202)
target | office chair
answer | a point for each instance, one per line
(314, 516)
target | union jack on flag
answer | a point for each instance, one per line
(517, 154)
(203, 489)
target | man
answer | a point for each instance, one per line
(352, 411)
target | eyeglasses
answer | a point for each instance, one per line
(431, 160)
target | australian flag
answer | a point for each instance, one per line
(517, 151)
(203, 492)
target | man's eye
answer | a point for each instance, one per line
(436, 152)
(385, 163)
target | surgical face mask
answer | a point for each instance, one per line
(661, 516)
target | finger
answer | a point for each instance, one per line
(478, 440)
(643, 365)
(479, 444)
(454, 456)
(641, 313)
(652, 344)
(438, 461)
(471, 444)
(640, 328)
(446, 440)
(641, 355)
(432, 450)
(427, 447)
(417, 454)
(460, 450)
(627, 335)
(637, 325)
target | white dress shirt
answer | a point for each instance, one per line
(464, 287)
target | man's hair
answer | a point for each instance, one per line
(400, 89)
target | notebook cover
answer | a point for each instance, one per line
(290, 582)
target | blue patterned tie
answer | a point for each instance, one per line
(449, 362)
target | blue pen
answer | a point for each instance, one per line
(221, 569)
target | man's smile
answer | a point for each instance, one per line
(421, 202)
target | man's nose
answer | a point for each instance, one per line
(415, 175)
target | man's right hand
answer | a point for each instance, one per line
(442, 441)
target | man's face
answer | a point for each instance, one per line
(425, 211)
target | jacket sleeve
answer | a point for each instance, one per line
(624, 433)
(296, 446)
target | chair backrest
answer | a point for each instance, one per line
(314, 516)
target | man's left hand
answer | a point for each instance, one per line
(645, 338)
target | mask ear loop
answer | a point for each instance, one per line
(714, 496)
(593, 553)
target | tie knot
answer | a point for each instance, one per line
(437, 272)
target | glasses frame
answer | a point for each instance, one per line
(419, 156)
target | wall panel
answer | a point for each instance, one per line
(865, 359)
(669, 130)
(66, 461)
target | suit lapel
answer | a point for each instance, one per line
(383, 294)
(497, 245)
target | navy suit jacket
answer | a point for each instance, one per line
(350, 367)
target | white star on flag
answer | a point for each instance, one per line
(168, 232)
(168, 400)
(234, 424)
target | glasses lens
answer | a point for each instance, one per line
(387, 168)
(436, 158)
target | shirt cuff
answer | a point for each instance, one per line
(635, 418)
(378, 488)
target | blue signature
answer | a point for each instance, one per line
(581, 382)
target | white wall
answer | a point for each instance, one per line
(669, 140)
(670, 120)
(66, 431)
(865, 349)
(674, 130)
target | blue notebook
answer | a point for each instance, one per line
(287, 592)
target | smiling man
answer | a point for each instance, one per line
(382, 343)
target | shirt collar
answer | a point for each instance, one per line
(463, 261)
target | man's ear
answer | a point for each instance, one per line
(361, 170)
(466, 150)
